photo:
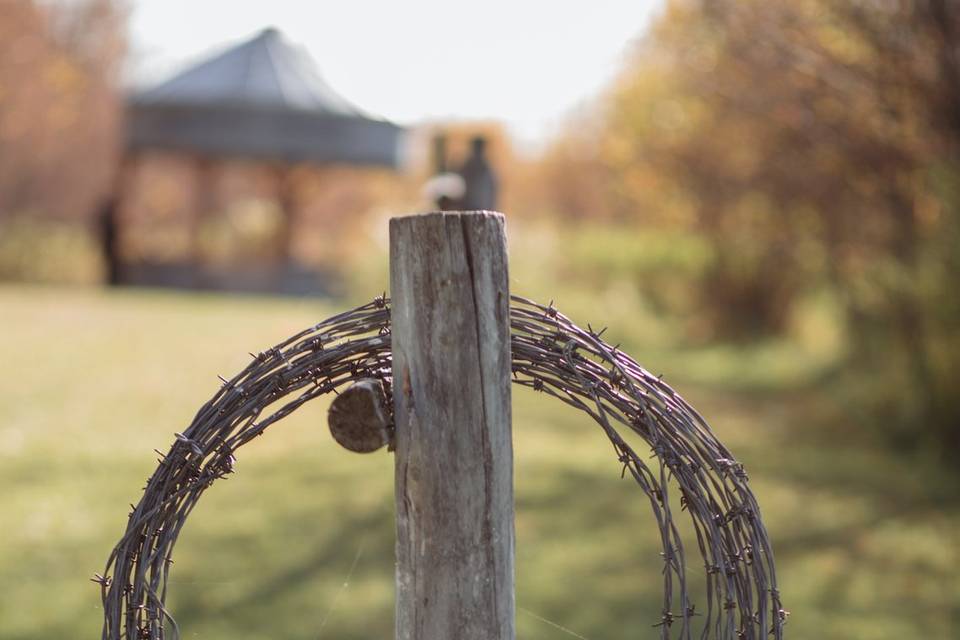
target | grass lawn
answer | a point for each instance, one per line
(299, 543)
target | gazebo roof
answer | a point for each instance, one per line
(262, 98)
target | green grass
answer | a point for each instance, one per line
(299, 543)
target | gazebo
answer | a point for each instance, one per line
(264, 100)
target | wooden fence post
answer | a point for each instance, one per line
(454, 455)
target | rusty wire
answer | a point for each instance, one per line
(693, 472)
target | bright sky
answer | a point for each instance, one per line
(528, 63)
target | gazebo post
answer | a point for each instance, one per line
(286, 194)
(204, 174)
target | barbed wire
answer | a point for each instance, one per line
(693, 472)
(553, 355)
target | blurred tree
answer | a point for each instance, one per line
(571, 180)
(809, 142)
(59, 112)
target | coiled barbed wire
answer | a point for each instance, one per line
(693, 473)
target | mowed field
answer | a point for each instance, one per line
(298, 544)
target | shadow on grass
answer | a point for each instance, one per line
(587, 559)
(862, 540)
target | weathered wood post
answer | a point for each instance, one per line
(454, 456)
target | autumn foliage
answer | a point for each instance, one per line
(59, 109)
(814, 147)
